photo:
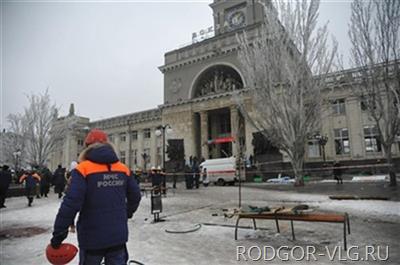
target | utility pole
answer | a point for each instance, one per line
(161, 130)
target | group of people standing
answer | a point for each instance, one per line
(37, 182)
(193, 173)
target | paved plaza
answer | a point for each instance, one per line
(27, 231)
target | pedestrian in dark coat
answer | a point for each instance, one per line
(156, 178)
(31, 180)
(45, 181)
(337, 173)
(37, 188)
(59, 181)
(105, 194)
(175, 175)
(5, 180)
(163, 178)
(196, 172)
(137, 175)
(188, 177)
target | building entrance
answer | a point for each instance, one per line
(219, 133)
(221, 130)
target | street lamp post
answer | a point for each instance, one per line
(161, 130)
(17, 155)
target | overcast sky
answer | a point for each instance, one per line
(103, 56)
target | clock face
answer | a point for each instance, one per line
(236, 19)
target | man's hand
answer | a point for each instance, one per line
(58, 239)
(55, 245)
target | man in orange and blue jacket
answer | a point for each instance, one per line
(105, 195)
(31, 179)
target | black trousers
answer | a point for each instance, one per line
(44, 189)
(3, 194)
(117, 255)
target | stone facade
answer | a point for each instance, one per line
(199, 81)
(132, 135)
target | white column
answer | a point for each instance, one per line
(140, 148)
(129, 152)
(153, 147)
(204, 134)
(249, 138)
(235, 130)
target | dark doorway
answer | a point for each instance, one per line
(219, 128)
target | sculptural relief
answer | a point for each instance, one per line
(218, 79)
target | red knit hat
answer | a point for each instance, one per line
(96, 136)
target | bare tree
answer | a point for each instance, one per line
(375, 36)
(281, 64)
(34, 129)
(14, 141)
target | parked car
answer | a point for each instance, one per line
(281, 180)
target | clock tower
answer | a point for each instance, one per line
(230, 15)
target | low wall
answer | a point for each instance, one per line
(322, 169)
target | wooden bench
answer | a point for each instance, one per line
(303, 217)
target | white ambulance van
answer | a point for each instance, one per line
(220, 171)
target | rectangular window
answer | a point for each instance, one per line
(371, 139)
(111, 138)
(342, 141)
(363, 105)
(147, 133)
(122, 137)
(122, 156)
(313, 149)
(339, 106)
(80, 142)
(134, 135)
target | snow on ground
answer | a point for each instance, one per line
(373, 223)
(383, 210)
